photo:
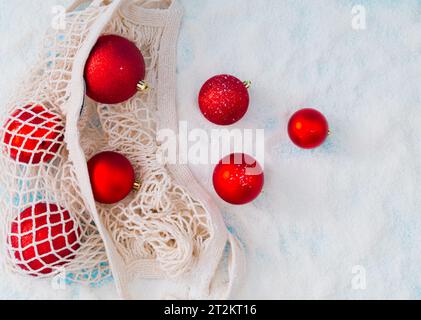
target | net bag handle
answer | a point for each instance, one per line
(93, 3)
(72, 136)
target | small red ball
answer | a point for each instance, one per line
(308, 128)
(112, 177)
(113, 70)
(224, 100)
(238, 179)
(44, 237)
(33, 134)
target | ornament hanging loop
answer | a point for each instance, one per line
(247, 84)
(142, 86)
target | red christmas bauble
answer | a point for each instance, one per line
(224, 99)
(113, 70)
(238, 179)
(112, 177)
(33, 134)
(44, 237)
(308, 128)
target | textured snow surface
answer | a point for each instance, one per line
(353, 202)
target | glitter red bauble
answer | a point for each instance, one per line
(33, 134)
(43, 237)
(112, 177)
(224, 99)
(308, 128)
(113, 70)
(238, 179)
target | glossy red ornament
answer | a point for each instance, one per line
(112, 177)
(42, 237)
(114, 70)
(224, 99)
(238, 179)
(33, 134)
(308, 128)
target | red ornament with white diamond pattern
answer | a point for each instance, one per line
(33, 135)
(43, 238)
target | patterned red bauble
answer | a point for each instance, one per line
(224, 99)
(308, 128)
(112, 177)
(114, 70)
(43, 237)
(33, 134)
(238, 179)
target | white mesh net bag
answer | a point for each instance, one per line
(169, 228)
(40, 194)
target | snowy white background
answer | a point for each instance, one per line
(353, 202)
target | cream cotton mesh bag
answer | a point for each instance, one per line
(169, 229)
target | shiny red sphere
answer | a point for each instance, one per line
(238, 179)
(113, 70)
(43, 237)
(112, 177)
(224, 100)
(308, 128)
(33, 135)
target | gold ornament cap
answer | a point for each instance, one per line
(142, 86)
(137, 185)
